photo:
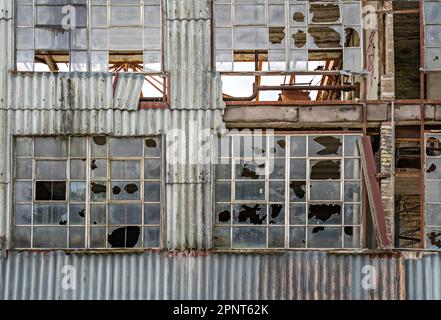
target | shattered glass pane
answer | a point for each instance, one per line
(351, 237)
(250, 214)
(325, 146)
(352, 213)
(124, 237)
(297, 191)
(223, 213)
(433, 238)
(222, 237)
(324, 214)
(125, 190)
(77, 214)
(50, 214)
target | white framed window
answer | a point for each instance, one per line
(288, 191)
(87, 192)
(287, 32)
(88, 35)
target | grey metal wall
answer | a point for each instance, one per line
(85, 103)
(292, 275)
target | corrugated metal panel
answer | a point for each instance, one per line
(73, 91)
(188, 46)
(293, 275)
(423, 277)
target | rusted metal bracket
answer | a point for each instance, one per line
(373, 192)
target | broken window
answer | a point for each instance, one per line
(288, 191)
(96, 36)
(432, 42)
(87, 192)
(432, 206)
(287, 37)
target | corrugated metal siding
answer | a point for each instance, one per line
(193, 85)
(423, 277)
(73, 91)
(293, 275)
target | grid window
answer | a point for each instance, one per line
(288, 191)
(84, 35)
(432, 41)
(433, 192)
(288, 31)
(87, 192)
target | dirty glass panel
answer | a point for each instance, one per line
(433, 191)
(223, 191)
(122, 214)
(276, 237)
(125, 169)
(352, 213)
(50, 170)
(222, 237)
(98, 237)
(126, 147)
(22, 237)
(76, 237)
(223, 171)
(297, 214)
(352, 191)
(325, 146)
(78, 147)
(152, 147)
(23, 169)
(51, 147)
(351, 147)
(321, 190)
(250, 170)
(276, 13)
(152, 169)
(23, 191)
(77, 191)
(249, 14)
(99, 146)
(152, 192)
(250, 190)
(125, 15)
(297, 169)
(23, 213)
(297, 237)
(98, 191)
(78, 169)
(23, 147)
(277, 191)
(325, 169)
(352, 59)
(324, 214)
(98, 169)
(324, 237)
(352, 169)
(151, 237)
(50, 214)
(351, 237)
(152, 213)
(125, 190)
(298, 146)
(249, 237)
(248, 38)
(50, 237)
(97, 214)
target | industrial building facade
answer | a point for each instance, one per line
(220, 149)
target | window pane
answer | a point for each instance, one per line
(124, 237)
(51, 147)
(352, 192)
(78, 169)
(99, 146)
(97, 214)
(50, 191)
(152, 213)
(98, 237)
(222, 237)
(126, 147)
(98, 169)
(297, 237)
(23, 168)
(152, 147)
(351, 237)
(250, 190)
(352, 169)
(325, 146)
(152, 168)
(325, 190)
(50, 170)
(98, 191)
(125, 190)
(125, 169)
(297, 214)
(249, 237)
(324, 214)
(23, 147)
(76, 237)
(23, 191)
(324, 237)
(23, 213)
(276, 237)
(22, 237)
(50, 237)
(77, 214)
(297, 169)
(124, 214)
(50, 214)
(152, 192)
(223, 213)
(77, 191)
(151, 237)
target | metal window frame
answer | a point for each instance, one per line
(287, 203)
(87, 202)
